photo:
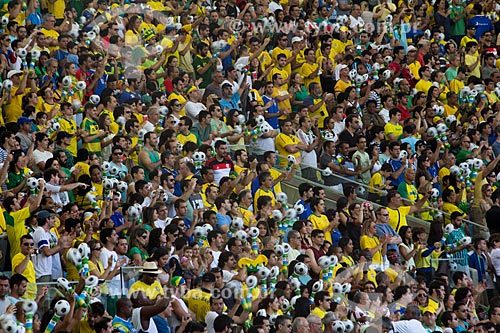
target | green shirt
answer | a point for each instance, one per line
(198, 64)
(457, 28)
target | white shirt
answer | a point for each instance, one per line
(148, 126)
(114, 284)
(384, 113)
(136, 321)
(42, 263)
(408, 326)
(59, 197)
(193, 109)
(495, 260)
(308, 158)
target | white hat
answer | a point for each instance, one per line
(342, 66)
(13, 72)
(297, 39)
(150, 268)
(411, 48)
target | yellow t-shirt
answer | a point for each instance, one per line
(71, 127)
(282, 140)
(423, 85)
(29, 273)
(395, 129)
(321, 223)
(307, 69)
(397, 217)
(152, 291)
(198, 301)
(341, 86)
(262, 193)
(277, 51)
(471, 60)
(367, 242)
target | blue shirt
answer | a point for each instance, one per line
(396, 164)
(307, 210)
(231, 104)
(223, 220)
(272, 110)
(482, 24)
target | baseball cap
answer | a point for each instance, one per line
(13, 72)
(43, 215)
(472, 26)
(411, 48)
(344, 28)
(24, 120)
(297, 39)
(208, 277)
(169, 28)
(227, 85)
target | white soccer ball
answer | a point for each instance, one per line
(81, 85)
(241, 235)
(62, 308)
(237, 223)
(441, 128)
(282, 197)
(252, 282)
(317, 286)
(253, 232)
(278, 250)
(84, 250)
(277, 215)
(324, 262)
(263, 272)
(300, 269)
(66, 81)
(29, 306)
(22, 52)
(7, 84)
(95, 99)
(338, 326)
(74, 257)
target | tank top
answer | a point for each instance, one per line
(154, 157)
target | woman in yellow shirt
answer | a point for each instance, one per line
(368, 241)
(319, 219)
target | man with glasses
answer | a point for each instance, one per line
(315, 325)
(462, 313)
(117, 161)
(384, 228)
(283, 324)
(22, 263)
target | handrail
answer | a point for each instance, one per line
(360, 200)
